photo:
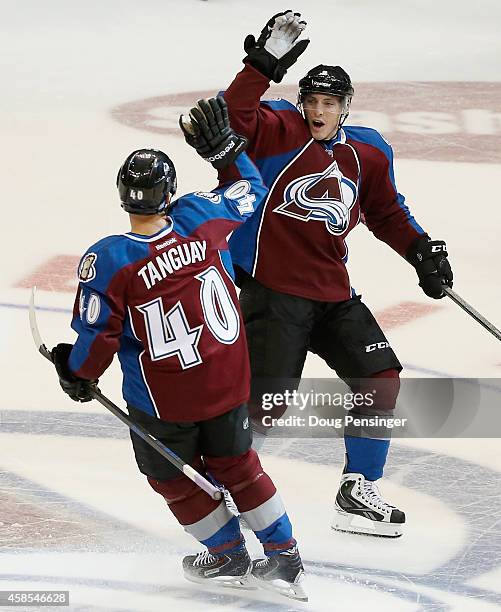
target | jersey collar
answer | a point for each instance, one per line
(339, 137)
(160, 234)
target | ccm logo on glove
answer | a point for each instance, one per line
(429, 258)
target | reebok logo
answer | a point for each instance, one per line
(162, 245)
(376, 346)
(223, 153)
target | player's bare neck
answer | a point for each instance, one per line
(147, 225)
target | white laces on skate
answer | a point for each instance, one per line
(204, 558)
(290, 552)
(370, 493)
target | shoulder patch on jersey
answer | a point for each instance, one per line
(215, 198)
(87, 269)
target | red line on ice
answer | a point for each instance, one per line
(404, 312)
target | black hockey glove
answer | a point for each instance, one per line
(429, 257)
(208, 130)
(277, 47)
(77, 388)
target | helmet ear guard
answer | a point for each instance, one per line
(145, 180)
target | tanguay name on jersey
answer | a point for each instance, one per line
(167, 305)
(319, 191)
(172, 260)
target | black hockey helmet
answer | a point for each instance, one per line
(331, 80)
(145, 180)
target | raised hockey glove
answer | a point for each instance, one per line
(208, 130)
(77, 388)
(429, 257)
(277, 47)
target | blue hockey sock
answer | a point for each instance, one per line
(277, 537)
(226, 540)
(366, 456)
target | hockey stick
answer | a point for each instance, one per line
(472, 312)
(191, 473)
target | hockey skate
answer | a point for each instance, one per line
(282, 573)
(359, 508)
(226, 570)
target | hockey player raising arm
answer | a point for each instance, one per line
(323, 177)
(162, 296)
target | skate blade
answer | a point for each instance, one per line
(227, 582)
(354, 523)
(292, 591)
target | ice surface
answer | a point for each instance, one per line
(74, 512)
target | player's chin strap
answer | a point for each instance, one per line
(472, 312)
(192, 474)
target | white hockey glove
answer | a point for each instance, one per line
(284, 33)
(277, 47)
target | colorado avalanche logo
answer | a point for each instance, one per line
(327, 197)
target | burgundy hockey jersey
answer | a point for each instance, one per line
(167, 305)
(319, 191)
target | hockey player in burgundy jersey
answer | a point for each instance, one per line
(324, 178)
(162, 296)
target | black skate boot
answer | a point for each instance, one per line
(359, 508)
(227, 570)
(282, 573)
